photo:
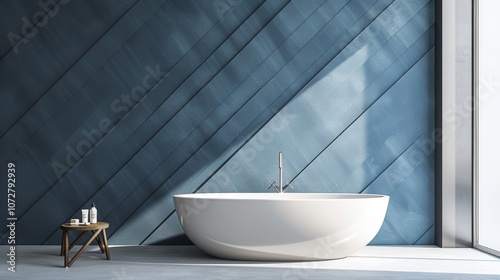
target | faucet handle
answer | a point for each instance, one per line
(287, 184)
(273, 185)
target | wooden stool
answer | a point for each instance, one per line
(95, 228)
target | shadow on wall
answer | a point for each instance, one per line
(363, 124)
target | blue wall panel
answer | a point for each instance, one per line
(155, 98)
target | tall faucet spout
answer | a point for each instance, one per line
(280, 167)
(278, 186)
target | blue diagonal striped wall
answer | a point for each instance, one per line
(126, 103)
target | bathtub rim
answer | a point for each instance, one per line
(280, 196)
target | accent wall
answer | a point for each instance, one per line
(126, 103)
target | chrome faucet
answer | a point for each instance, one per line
(280, 188)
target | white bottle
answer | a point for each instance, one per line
(93, 214)
(85, 216)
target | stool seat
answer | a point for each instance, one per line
(97, 228)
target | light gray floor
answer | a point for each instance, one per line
(188, 262)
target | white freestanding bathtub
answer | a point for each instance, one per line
(280, 226)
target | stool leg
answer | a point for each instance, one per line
(83, 248)
(105, 240)
(65, 245)
(101, 246)
(62, 244)
(76, 240)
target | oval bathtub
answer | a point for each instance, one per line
(280, 226)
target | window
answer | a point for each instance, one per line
(487, 126)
